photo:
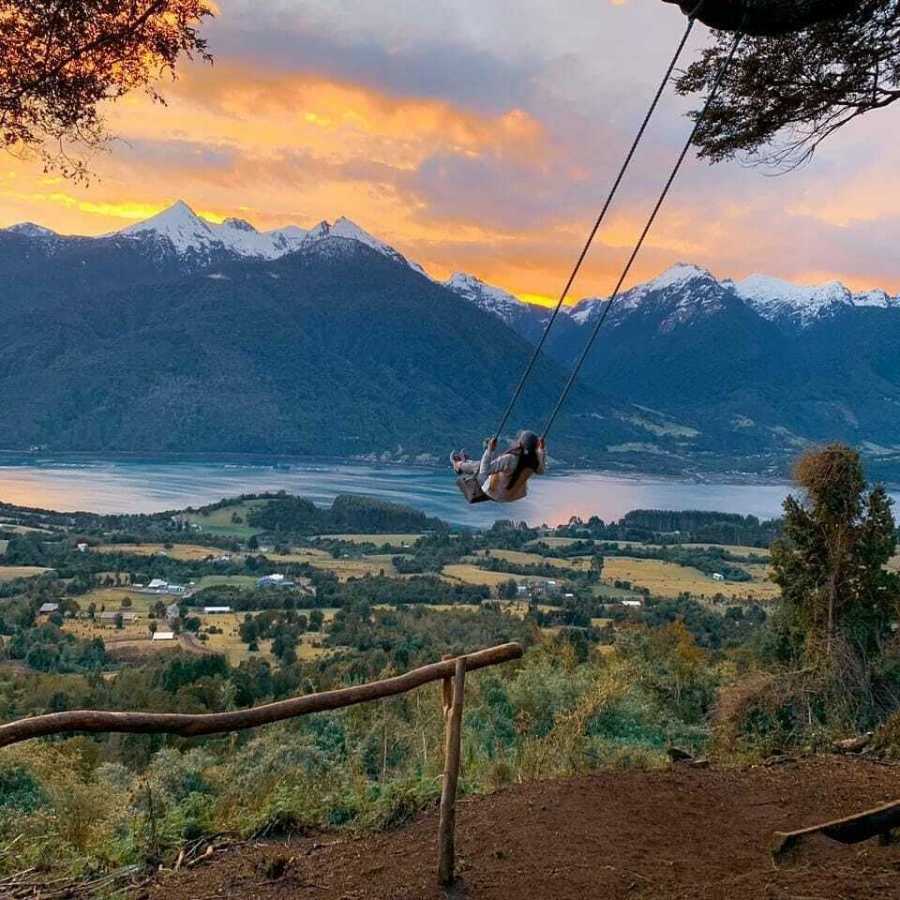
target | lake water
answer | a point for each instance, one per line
(150, 485)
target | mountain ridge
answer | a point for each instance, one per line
(691, 373)
(189, 232)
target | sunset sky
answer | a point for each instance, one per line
(473, 135)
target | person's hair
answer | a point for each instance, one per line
(526, 448)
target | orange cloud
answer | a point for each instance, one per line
(280, 147)
(269, 111)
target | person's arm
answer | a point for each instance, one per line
(542, 458)
(487, 458)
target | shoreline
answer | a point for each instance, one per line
(15, 459)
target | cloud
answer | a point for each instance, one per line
(474, 136)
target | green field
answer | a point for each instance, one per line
(229, 643)
(242, 581)
(469, 574)
(576, 563)
(183, 552)
(557, 541)
(10, 573)
(219, 521)
(667, 579)
(400, 541)
(343, 568)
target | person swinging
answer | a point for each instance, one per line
(502, 478)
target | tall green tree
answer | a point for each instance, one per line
(830, 563)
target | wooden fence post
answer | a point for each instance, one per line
(446, 694)
(446, 847)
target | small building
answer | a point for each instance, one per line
(157, 584)
(718, 576)
(163, 636)
(216, 610)
(635, 604)
(48, 609)
(546, 588)
(274, 580)
(82, 547)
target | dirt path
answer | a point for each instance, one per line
(686, 834)
(190, 643)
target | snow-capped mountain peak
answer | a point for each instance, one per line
(349, 230)
(190, 234)
(695, 287)
(239, 225)
(29, 229)
(774, 298)
(491, 299)
(877, 298)
(344, 228)
(676, 276)
(178, 224)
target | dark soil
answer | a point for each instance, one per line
(682, 833)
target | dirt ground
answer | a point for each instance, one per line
(683, 833)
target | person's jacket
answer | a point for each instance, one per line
(495, 475)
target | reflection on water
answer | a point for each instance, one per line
(116, 486)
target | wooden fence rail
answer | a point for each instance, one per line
(451, 672)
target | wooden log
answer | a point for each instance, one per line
(447, 827)
(850, 830)
(186, 725)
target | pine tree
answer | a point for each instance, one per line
(830, 563)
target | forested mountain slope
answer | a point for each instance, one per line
(177, 334)
(336, 349)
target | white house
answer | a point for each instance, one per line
(216, 610)
(82, 548)
(157, 584)
(48, 608)
(632, 603)
(163, 635)
(718, 576)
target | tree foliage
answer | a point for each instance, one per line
(61, 59)
(830, 564)
(782, 96)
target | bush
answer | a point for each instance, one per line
(20, 791)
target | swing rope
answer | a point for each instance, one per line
(615, 187)
(662, 197)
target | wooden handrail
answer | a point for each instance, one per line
(189, 725)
